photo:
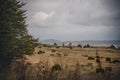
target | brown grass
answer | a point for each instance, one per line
(74, 65)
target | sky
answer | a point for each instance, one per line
(73, 19)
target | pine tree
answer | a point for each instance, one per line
(14, 38)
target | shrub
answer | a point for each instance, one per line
(85, 55)
(91, 58)
(71, 47)
(65, 54)
(58, 54)
(116, 61)
(57, 46)
(97, 57)
(56, 67)
(41, 52)
(53, 50)
(99, 70)
(102, 57)
(52, 55)
(44, 45)
(108, 59)
(79, 45)
(87, 46)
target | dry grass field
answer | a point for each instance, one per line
(69, 59)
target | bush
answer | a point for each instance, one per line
(97, 57)
(53, 50)
(79, 45)
(91, 58)
(57, 46)
(52, 55)
(44, 45)
(40, 47)
(85, 55)
(41, 52)
(65, 54)
(58, 54)
(116, 61)
(71, 47)
(99, 70)
(87, 46)
(56, 67)
(108, 59)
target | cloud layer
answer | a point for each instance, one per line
(74, 19)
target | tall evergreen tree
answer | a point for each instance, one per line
(14, 38)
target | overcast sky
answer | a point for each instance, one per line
(73, 19)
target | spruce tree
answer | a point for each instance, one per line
(14, 38)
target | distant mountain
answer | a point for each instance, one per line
(91, 42)
(97, 42)
(50, 41)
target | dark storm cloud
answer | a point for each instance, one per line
(114, 6)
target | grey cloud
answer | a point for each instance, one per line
(79, 11)
(74, 19)
(42, 5)
(82, 13)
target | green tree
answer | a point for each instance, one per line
(14, 38)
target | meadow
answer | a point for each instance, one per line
(68, 63)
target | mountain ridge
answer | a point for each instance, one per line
(83, 42)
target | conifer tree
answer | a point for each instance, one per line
(14, 37)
